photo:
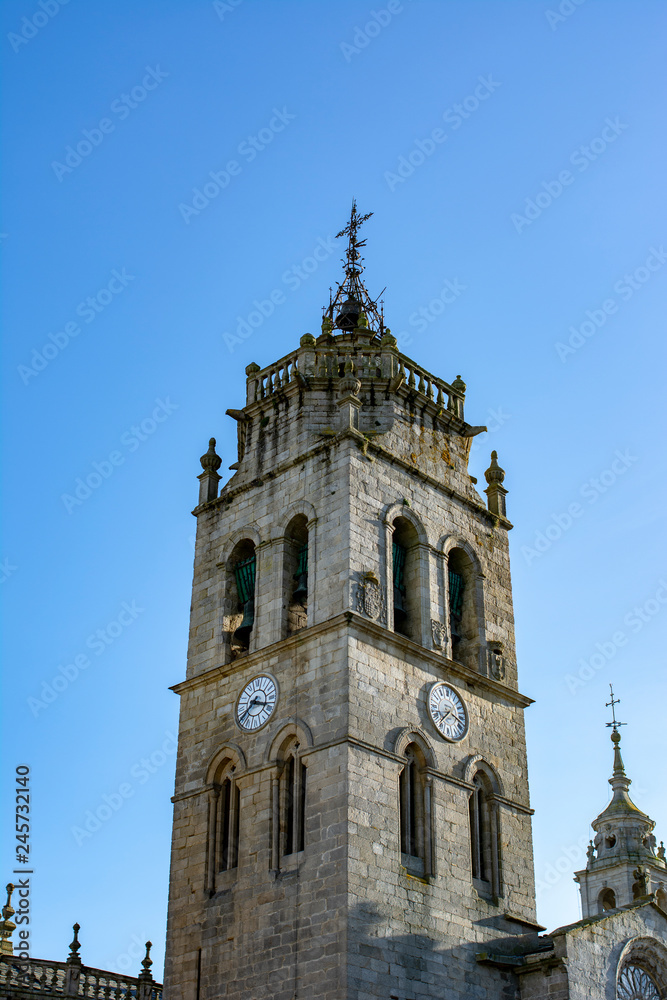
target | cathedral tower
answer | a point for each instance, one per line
(623, 864)
(351, 814)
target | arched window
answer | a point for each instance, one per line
(241, 588)
(414, 804)
(228, 843)
(463, 625)
(635, 983)
(606, 900)
(484, 839)
(295, 584)
(293, 796)
(224, 819)
(405, 569)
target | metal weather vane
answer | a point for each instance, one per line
(352, 299)
(613, 703)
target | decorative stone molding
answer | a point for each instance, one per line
(438, 634)
(495, 661)
(370, 598)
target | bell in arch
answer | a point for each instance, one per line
(242, 633)
(349, 314)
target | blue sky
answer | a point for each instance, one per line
(509, 149)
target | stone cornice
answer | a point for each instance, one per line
(365, 444)
(361, 626)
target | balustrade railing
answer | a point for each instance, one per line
(37, 977)
(328, 363)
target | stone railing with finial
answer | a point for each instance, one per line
(7, 925)
(34, 977)
(326, 358)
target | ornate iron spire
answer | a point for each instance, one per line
(352, 307)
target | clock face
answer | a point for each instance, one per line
(448, 712)
(257, 702)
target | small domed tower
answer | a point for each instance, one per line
(623, 864)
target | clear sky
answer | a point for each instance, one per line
(167, 166)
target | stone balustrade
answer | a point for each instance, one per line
(41, 978)
(328, 362)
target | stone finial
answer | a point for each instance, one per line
(388, 341)
(252, 369)
(362, 322)
(494, 474)
(327, 326)
(146, 963)
(210, 461)
(495, 491)
(7, 925)
(661, 851)
(307, 340)
(209, 478)
(74, 958)
(459, 385)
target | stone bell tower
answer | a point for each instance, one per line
(351, 813)
(623, 864)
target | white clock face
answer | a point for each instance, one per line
(257, 702)
(448, 712)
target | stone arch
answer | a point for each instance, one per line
(407, 574)
(477, 763)
(402, 510)
(462, 588)
(298, 507)
(295, 729)
(648, 954)
(230, 752)
(231, 541)
(406, 736)
(606, 900)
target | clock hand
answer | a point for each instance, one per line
(255, 701)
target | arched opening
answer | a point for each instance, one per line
(414, 805)
(241, 589)
(295, 579)
(224, 819)
(292, 800)
(461, 602)
(661, 897)
(405, 571)
(606, 900)
(484, 836)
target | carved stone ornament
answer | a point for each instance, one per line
(371, 598)
(496, 661)
(438, 634)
